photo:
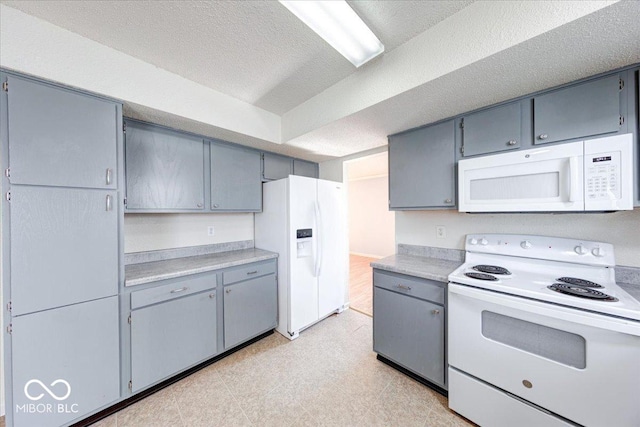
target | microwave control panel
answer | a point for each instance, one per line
(602, 176)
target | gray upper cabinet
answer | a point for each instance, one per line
(304, 168)
(73, 349)
(60, 138)
(275, 166)
(164, 169)
(64, 246)
(582, 110)
(496, 129)
(422, 168)
(236, 183)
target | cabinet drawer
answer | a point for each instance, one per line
(420, 288)
(248, 272)
(175, 289)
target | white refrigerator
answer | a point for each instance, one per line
(304, 221)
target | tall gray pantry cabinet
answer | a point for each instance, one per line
(62, 210)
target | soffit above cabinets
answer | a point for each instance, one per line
(269, 82)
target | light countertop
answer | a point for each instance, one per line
(138, 274)
(418, 266)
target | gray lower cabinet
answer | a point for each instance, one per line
(422, 168)
(236, 183)
(52, 228)
(495, 129)
(304, 168)
(275, 166)
(408, 328)
(164, 169)
(582, 110)
(250, 306)
(65, 363)
(172, 335)
(58, 137)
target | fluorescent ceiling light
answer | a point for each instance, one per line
(340, 26)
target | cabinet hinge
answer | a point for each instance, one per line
(125, 201)
(129, 319)
(621, 86)
(124, 127)
(10, 329)
(130, 386)
(8, 196)
(9, 306)
(5, 86)
(7, 172)
(462, 124)
(462, 149)
(621, 120)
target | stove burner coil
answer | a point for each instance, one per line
(578, 282)
(481, 276)
(491, 269)
(582, 292)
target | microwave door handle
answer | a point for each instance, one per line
(573, 178)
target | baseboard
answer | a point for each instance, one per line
(366, 255)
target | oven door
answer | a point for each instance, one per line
(541, 179)
(580, 365)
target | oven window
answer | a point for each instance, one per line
(535, 186)
(561, 346)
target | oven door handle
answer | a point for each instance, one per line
(553, 311)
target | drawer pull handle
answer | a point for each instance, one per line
(543, 136)
(435, 311)
(175, 291)
(512, 142)
(252, 272)
(212, 296)
(404, 287)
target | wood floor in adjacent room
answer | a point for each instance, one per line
(361, 284)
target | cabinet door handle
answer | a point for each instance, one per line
(447, 201)
(512, 142)
(215, 206)
(199, 205)
(182, 289)
(212, 296)
(109, 205)
(435, 311)
(252, 272)
(404, 287)
(227, 291)
(109, 172)
(543, 136)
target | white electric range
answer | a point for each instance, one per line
(538, 329)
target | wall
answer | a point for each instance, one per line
(146, 232)
(371, 225)
(622, 229)
(333, 170)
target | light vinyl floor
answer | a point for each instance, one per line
(328, 376)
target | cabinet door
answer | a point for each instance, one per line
(66, 361)
(582, 110)
(250, 308)
(302, 168)
(276, 167)
(410, 332)
(236, 184)
(64, 246)
(164, 169)
(169, 337)
(422, 168)
(492, 130)
(60, 138)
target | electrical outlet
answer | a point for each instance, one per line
(441, 232)
(210, 230)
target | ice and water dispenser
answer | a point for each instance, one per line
(304, 241)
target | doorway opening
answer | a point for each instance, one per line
(371, 224)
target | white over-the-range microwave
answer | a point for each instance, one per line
(591, 175)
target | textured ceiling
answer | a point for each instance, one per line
(256, 51)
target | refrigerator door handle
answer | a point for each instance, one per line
(318, 241)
